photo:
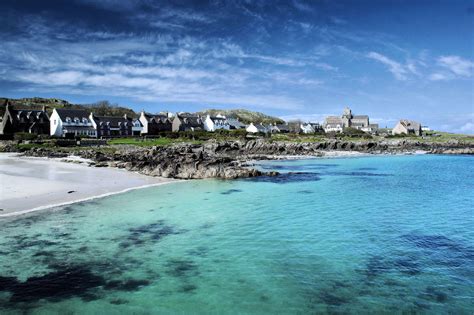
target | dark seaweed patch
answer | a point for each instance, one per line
(153, 232)
(24, 243)
(407, 266)
(366, 169)
(200, 251)
(58, 285)
(230, 191)
(126, 285)
(378, 265)
(436, 242)
(43, 253)
(207, 225)
(188, 288)
(332, 299)
(281, 167)
(7, 283)
(285, 178)
(433, 294)
(442, 250)
(306, 192)
(356, 174)
(182, 268)
(118, 301)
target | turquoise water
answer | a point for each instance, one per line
(357, 235)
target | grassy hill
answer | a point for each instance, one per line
(102, 108)
(243, 115)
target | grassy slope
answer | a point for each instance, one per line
(52, 103)
(151, 142)
(245, 116)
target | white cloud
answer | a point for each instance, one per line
(457, 65)
(438, 77)
(398, 70)
(467, 128)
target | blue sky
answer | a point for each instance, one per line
(293, 59)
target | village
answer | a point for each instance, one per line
(73, 123)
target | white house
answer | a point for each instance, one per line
(213, 123)
(137, 127)
(256, 128)
(71, 123)
(307, 128)
(333, 124)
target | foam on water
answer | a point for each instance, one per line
(368, 234)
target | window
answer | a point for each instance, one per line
(54, 121)
(76, 120)
(68, 119)
(84, 120)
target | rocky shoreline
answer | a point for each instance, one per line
(229, 159)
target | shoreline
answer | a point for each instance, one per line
(31, 184)
(134, 179)
(49, 207)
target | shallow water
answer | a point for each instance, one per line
(370, 234)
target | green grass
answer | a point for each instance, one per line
(151, 142)
(446, 136)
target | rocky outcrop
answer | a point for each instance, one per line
(228, 159)
(262, 147)
(182, 161)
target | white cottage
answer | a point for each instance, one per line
(307, 128)
(256, 128)
(213, 123)
(71, 123)
(333, 124)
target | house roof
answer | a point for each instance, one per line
(360, 117)
(410, 124)
(235, 123)
(218, 119)
(330, 120)
(72, 113)
(190, 121)
(157, 118)
(283, 127)
(261, 127)
(113, 122)
(36, 114)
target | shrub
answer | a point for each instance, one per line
(25, 136)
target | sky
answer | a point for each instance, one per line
(293, 59)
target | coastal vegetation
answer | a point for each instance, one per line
(244, 116)
(103, 108)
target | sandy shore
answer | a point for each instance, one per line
(29, 184)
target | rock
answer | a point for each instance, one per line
(228, 159)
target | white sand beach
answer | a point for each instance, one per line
(28, 184)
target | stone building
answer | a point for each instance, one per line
(408, 127)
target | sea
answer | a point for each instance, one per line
(358, 235)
